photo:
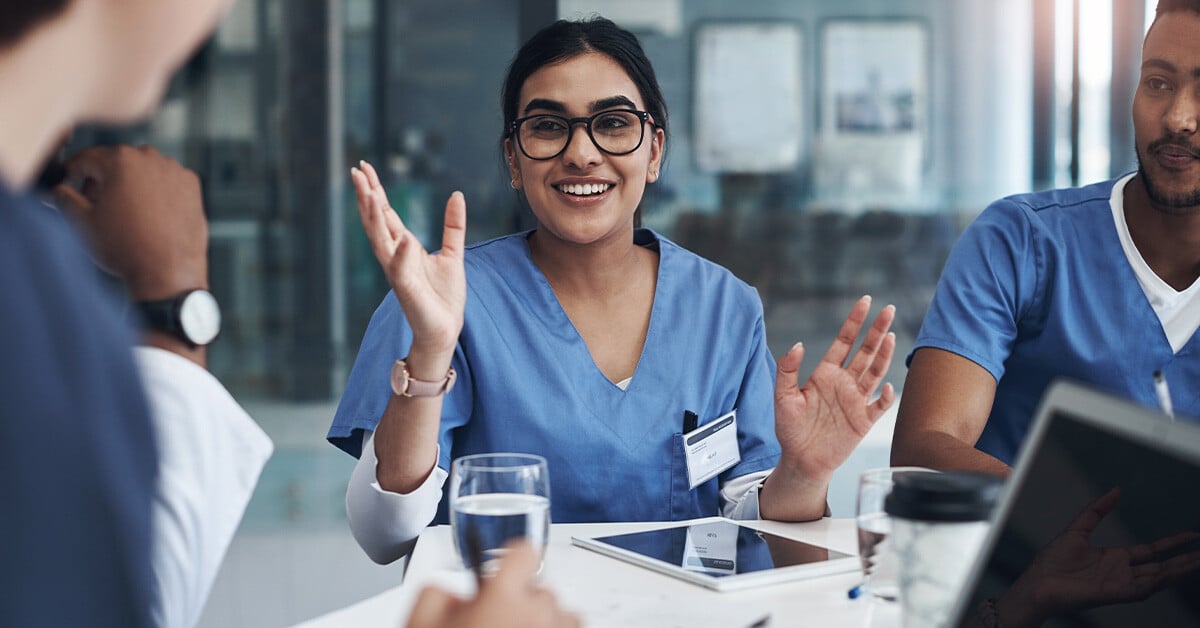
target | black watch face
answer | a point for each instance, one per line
(200, 317)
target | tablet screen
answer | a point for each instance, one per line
(1109, 512)
(721, 548)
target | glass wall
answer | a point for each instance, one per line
(889, 125)
(890, 159)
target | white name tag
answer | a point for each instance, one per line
(711, 448)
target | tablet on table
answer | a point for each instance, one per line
(722, 554)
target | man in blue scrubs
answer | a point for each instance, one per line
(1098, 284)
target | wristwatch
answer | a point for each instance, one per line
(193, 316)
(404, 385)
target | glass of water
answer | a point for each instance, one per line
(880, 578)
(495, 498)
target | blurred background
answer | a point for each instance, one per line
(819, 150)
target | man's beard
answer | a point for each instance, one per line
(1185, 203)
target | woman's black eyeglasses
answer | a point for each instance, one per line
(546, 136)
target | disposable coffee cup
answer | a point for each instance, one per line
(939, 521)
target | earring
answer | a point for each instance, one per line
(513, 184)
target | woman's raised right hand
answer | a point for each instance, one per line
(431, 287)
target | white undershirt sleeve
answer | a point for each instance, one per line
(210, 454)
(739, 496)
(386, 524)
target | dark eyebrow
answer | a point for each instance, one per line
(1168, 67)
(547, 104)
(611, 103)
(1159, 64)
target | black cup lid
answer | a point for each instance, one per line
(949, 496)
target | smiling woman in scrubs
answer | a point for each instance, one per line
(586, 340)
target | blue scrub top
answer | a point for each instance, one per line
(1038, 287)
(527, 383)
(77, 455)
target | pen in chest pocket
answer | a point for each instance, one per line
(690, 421)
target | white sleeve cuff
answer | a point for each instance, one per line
(386, 524)
(739, 496)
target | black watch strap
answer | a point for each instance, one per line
(161, 315)
(166, 315)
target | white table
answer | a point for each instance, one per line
(609, 592)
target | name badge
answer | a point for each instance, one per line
(711, 448)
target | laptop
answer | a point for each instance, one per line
(1083, 444)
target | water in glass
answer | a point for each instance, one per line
(495, 498)
(495, 519)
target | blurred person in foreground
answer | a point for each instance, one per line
(122, 490)
(1097, 284)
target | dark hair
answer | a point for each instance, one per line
(18, 17)
(1169, 6)
(565, 39)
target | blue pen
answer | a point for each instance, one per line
(855, 592)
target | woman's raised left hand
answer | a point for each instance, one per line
(820, 423)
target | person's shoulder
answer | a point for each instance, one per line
(1057, 199)
(29, 228)
(689, 264)
(500, 267)
(1047, 212)
(19, 214)
(499, 247)
(676, 254)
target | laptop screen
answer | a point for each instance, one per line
(1098, 526)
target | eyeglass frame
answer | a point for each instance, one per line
(645, 117)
